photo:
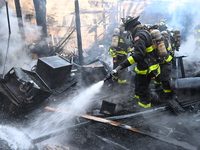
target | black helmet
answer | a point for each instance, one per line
(162, 26)
(130, 22)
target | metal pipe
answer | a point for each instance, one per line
(183, 83)
(78, 31)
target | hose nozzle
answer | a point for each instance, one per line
(105, 79)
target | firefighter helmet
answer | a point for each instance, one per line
(130, 22)
(162, 26)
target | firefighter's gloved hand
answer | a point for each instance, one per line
(177, 48)
(111, 74)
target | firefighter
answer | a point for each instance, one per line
(120, 47)
(162, 82)
(147, 66)
(174, 36)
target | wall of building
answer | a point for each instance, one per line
(98, 18)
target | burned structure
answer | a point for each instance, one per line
(23, 90)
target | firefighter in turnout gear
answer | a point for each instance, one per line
(162, 82)
(145, 57)
(120, 47)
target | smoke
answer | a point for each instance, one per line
(180, 15)
(13, 45)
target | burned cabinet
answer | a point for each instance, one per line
(54, 70)
(21, 91)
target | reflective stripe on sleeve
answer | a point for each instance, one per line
(149, 49)
(122, 52)
(131, 60)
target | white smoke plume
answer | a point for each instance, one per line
(12, 44)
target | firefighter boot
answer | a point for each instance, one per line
(141, 107)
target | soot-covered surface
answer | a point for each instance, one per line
(157, 129)
(161, 129)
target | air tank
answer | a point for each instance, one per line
(115, 38)
(159, 42)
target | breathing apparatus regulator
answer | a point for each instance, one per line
(177, 38)
(158, 43)
(115, 38)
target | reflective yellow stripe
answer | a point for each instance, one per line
(198, 40)
(198, 30)
(121, 40)
(129, 49)
(122, 52)
(112, 53)
(151, 68)
(167, 91)
(131, 60)
(157, 82)
(167, 60)
(149, 49)
(158, 71)
(136, 96)
(168, 48)
(121, 81)
(115, 77)
(140, 71)
(143, 105)
(154, 67)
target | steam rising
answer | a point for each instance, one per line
(18, 54)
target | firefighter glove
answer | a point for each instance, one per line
(111, 74)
